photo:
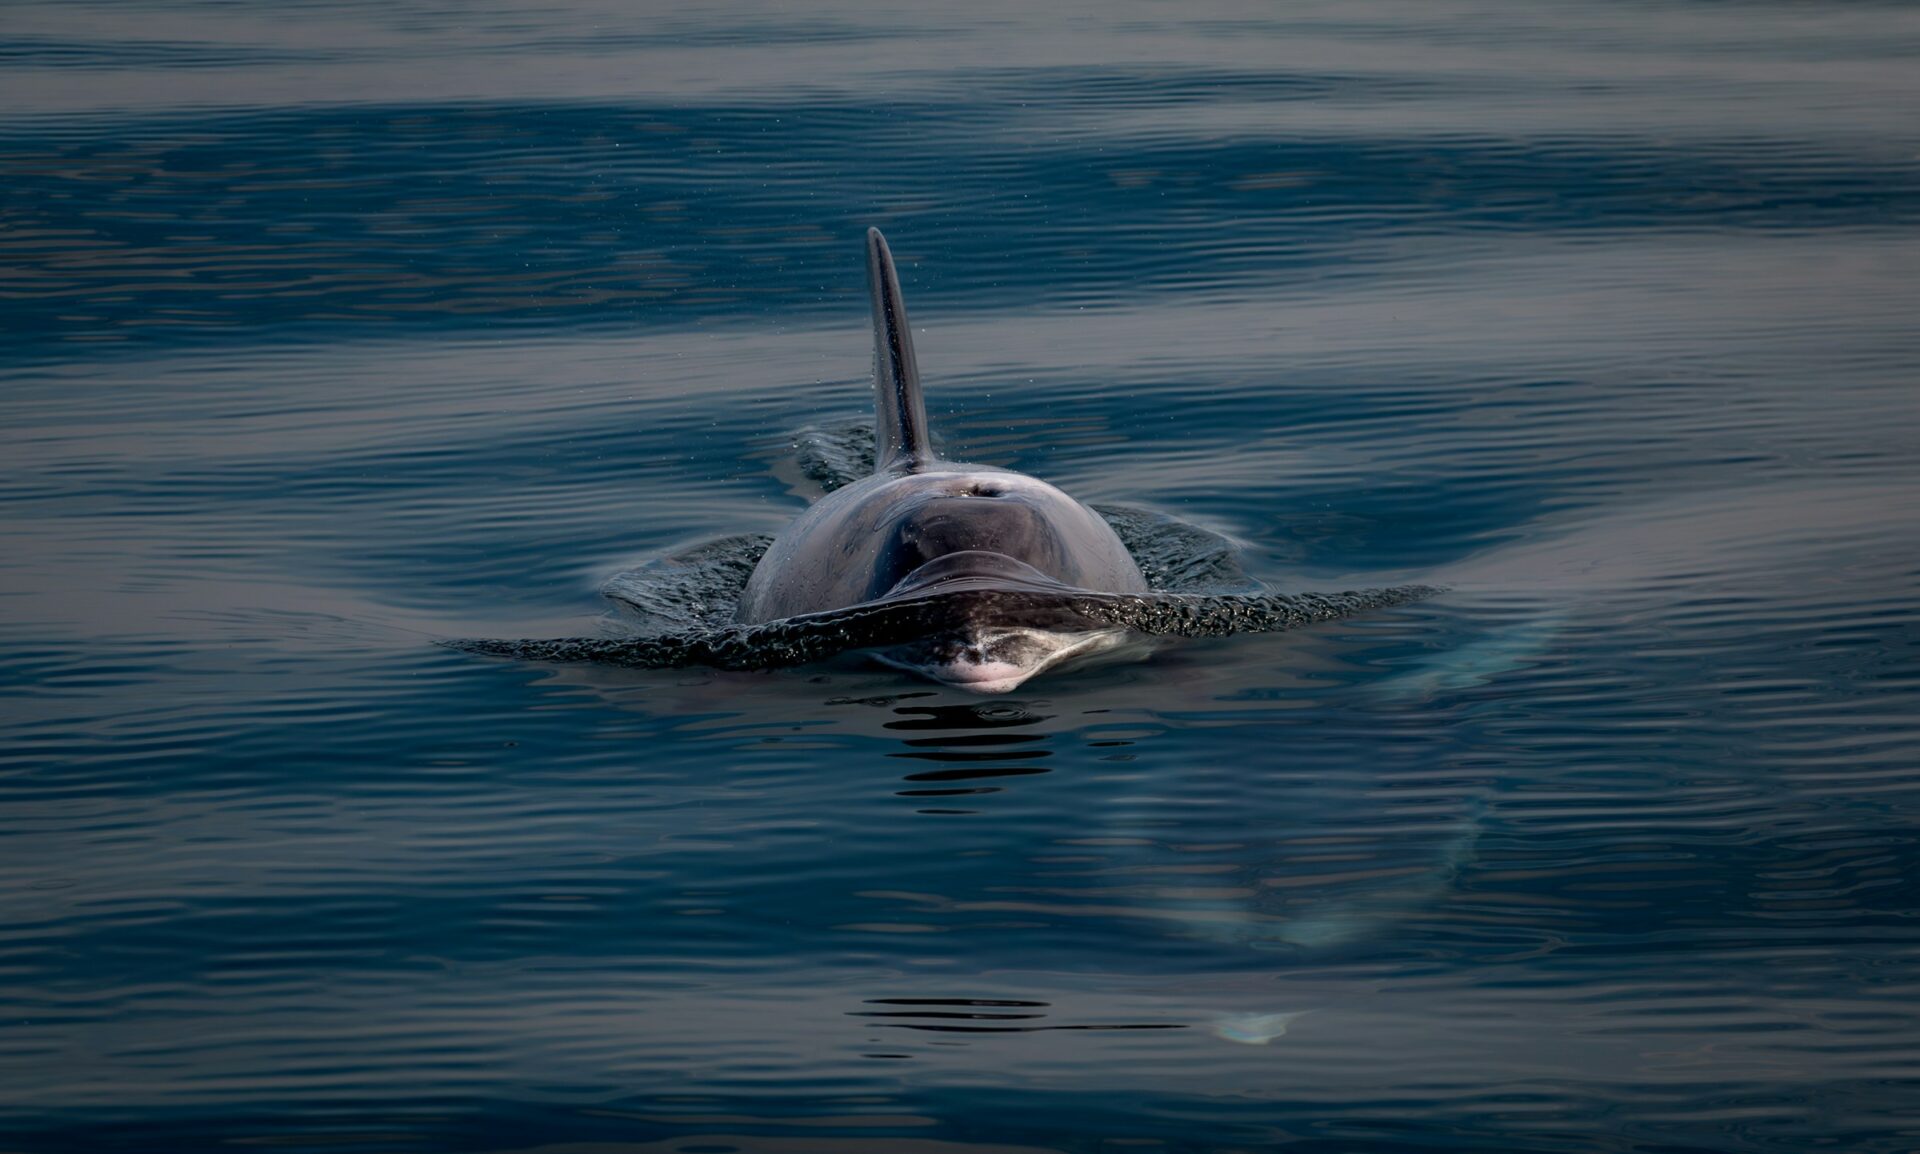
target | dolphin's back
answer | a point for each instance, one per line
(859, 542)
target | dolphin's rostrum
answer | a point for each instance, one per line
(973, 576)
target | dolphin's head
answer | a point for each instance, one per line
(872, 539)
(1000, 557)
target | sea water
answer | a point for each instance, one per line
(335, 329)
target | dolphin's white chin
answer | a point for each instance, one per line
(1001, 660)
(991, 677)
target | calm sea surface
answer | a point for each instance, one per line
(330, 329)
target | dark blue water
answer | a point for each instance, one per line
(332, 329)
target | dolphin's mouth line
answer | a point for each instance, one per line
(975, 570)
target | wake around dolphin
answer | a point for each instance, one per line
(973, 576)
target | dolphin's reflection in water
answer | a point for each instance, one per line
(972, 744)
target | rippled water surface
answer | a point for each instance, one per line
(332, 329)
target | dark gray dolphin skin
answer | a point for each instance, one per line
(921, 525)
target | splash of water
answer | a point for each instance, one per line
(817, 636)
(678, 610)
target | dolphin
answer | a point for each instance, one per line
(922, 526)
(972, 576)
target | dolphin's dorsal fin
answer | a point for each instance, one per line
(899, 415)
